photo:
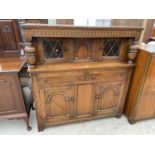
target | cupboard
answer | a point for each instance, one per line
(12, 95)
(79, 73)
(141, 96)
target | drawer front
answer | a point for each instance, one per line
(108, 76)
(49, 79)
(61, 77)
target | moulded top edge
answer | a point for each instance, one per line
(48, 26)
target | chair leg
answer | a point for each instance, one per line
(33, 108)
(27, 124)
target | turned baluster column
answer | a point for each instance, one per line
(30, 52)
(132, 52)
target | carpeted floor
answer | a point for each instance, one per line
(104, 126)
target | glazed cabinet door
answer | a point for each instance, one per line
(107, 97)
(10, 100)
(59, 102)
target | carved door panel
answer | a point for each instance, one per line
(59, 102)
(85, 100)
(9, 38)
(10, 102)
(83, 49)
(107, 96)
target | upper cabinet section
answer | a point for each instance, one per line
(9, 38)
(78, 43)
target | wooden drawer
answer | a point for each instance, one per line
(61, 77)
(108, 76)
(49, 79)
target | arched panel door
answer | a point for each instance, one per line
(107, 97)
(60, 102)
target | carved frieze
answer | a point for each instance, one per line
(74, 33)
(78, 32)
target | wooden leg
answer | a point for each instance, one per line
(119, 116)
(131, 122)
(32, 102)
(33, 108)
(27, 124)
(40, 129)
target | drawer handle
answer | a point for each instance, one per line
(122, 74)
(97, 97)
(73, 99)
(93, 76)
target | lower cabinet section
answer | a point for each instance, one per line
(59, 103)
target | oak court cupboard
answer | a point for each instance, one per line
(79, 73)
